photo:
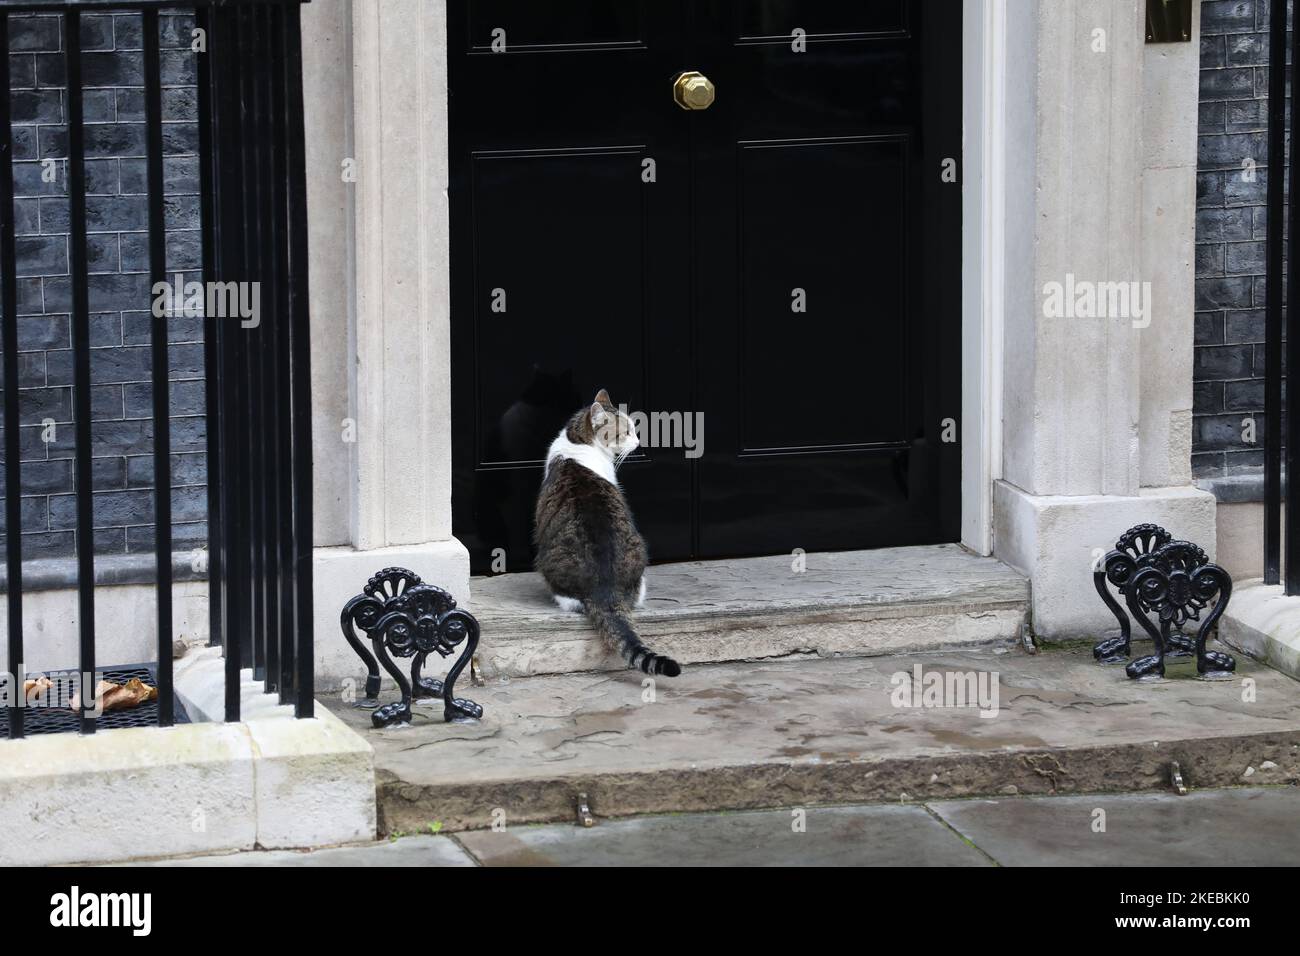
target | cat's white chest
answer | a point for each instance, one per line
(588, 456)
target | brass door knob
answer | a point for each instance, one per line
(693, 91)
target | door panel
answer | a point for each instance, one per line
(820, 177)
(549, 205)
(801, 208)
(816, 170)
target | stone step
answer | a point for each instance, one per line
(786, 734)
(852, 603)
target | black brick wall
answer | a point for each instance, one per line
(121, 395)
(1230, 229)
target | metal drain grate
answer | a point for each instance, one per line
(61, 720)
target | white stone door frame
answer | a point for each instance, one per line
(983, 172)
(381, 312)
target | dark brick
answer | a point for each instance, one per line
(105, 329)
(1209, 328)
(102, 253)
(102, 177)
(44, 477)
(108, 474)
(99, 106)
(1228, 16)
(1209, 190)
(106, 366)
(106, 403)
(1220, 362)
(1231, 293)
(36, 106)
(1213, 52)
(1245, 258)
(127, 32)
(96, 32)
(28, 34)
(38, 405)
(1207, 398)
(135, 328)
(43, 332)
(41, 255)
(1244, 116)
(1245, 326)
(22, 73)
(46, 544)
(1209, 432)
(1211, 117)
(110, 508)
(34, 513)
(1207, 464)
(186, 398)
(1239, 190)
(27, 217)
(1210, 259)
(1245, 49)
(1222, 224)
(1227, 151)
(186, 536)
(1236, 84)
(26, 143)
(1244, 396)
(188, 469)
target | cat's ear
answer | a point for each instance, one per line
(602, 398)
(598, 415)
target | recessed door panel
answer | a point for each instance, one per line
(556, 25)
(777, 20)
(822, 284)
(551, 306)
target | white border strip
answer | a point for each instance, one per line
(983, 268)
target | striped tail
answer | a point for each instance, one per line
(612, 624)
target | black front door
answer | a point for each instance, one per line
(773, 280)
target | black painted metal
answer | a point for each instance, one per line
(12, 448)
(81, 361)
(1291, 515)
(299, 364)
(159, 372)
(253, 200)
(685, 304)
(1174, 580)
(1277, 80)
(208, 178)
(404, 617)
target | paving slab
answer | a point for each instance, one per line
(816, 605)
(761, 735)
(830, 836)
(1229, 827)
(407, 851)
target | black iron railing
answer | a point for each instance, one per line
(254, 248)
(1282, 426)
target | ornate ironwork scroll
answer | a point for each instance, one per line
(404, 617)
(1172, 580)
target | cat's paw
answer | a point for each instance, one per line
(572, 605)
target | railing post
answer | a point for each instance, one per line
(81, 368)
(12, 446)
(1273, 293)
(1291, 573)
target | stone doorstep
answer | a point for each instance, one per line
(1263, 622)
(843, 604)
(776, 734)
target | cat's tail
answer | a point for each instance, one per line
(611, 623)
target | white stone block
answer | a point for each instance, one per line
(1055, 540)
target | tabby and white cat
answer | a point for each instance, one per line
(588, 548)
